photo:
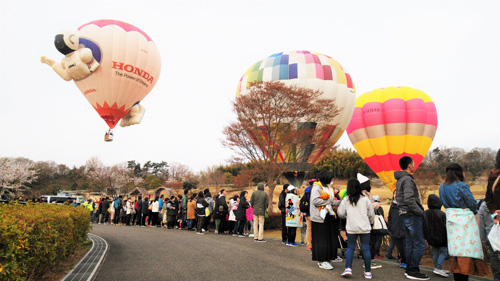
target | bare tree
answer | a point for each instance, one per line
(178, 171)
(277, 128)
(112, 179)
(15, 174)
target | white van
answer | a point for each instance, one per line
(59, 199)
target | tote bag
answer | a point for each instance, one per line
(379, 226)
(494, 237)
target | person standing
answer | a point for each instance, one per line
(293, 215)
(241, 214)
(324, 233)
(171, 211)
(210, 201)
(282, 207)
(467, 255)
(184, 202)
(223, 212)
(144, 211)
(118, 206)
(259, 201)
(397, 231)
(191, 212)
(435, 233)
(201, 204)
(138, 211)
(359, 214)
(412, 213)
(492, 202)
(155, 209)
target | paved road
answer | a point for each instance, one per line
(138, 253)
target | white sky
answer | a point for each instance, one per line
(448, 49)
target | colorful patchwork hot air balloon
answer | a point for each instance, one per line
(390, 123)
(114, 64)
(317, 72)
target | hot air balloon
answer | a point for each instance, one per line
(390, 123)
(114, 64)
(317, 72)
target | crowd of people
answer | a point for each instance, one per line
(330, 220)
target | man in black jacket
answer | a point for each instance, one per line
(105, 207)
(282, 207)
(144, 211)
(411, 213)
(222, 209)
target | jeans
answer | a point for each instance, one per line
(365, 249)
(415, 243)
(438, 256)
(190, 223)
(391, 247)
(495, 263)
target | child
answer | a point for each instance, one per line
(250, 221)
(293, 216)
(397, 231)
(435, 233)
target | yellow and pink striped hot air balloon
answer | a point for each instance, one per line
(390, 123)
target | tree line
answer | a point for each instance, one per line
(25, 176)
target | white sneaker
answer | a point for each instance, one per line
(337, 259)
(440, 272)
(251, 235)
(325, 265)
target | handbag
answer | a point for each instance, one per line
(266, 214)
(150, 207)
(207, 212)
(494, 237)
(379, 226)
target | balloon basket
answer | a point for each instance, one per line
(108, 136)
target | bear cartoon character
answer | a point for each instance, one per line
(78, 62)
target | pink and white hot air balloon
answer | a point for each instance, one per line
(114, 64)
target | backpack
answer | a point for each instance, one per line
(304, 203)
(117, 203)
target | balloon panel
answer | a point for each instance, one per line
(315, 71)
(129, 67)
(390, 123)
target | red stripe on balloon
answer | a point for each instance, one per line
(328, 133)
(390, 161)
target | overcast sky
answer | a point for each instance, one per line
(448, 49)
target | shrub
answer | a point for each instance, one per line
(34, 238)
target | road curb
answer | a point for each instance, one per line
(87, 267)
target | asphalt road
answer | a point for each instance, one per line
(142, 253)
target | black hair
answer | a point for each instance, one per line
(454, 172)
(140, 197)
(222, 190)
(353, 191)
(285, 186)
(404, 162)
(172, 197)
(185, 191)
(243, 193)
(325, 177)
(208, 194)
(200, 194)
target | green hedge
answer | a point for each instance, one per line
(34, 238)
